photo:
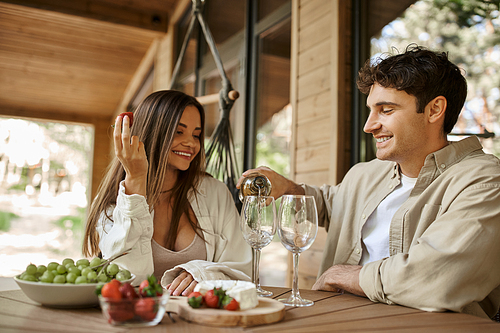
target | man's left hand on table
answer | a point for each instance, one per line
(340, 277)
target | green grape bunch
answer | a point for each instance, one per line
(82, 271)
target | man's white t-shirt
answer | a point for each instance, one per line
(375, 232)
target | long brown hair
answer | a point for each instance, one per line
(155, 124)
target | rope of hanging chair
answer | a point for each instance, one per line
(220, 153)
(227, 95)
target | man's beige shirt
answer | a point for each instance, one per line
(444, 241)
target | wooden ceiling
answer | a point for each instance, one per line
(71, 60)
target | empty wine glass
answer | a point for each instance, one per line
(258, 225)
(297, 228)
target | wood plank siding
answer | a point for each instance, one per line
(321, 94)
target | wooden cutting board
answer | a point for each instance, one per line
(268, 311)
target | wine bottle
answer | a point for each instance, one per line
(255, 184)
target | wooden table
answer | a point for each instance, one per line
(331, 312)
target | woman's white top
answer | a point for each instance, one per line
(228, 256)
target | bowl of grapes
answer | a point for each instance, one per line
(70, 283)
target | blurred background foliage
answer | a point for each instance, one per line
(469, 31)
(5, 219)
(44, 190)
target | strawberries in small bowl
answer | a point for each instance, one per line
(124, 305)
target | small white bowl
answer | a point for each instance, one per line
(62, 295)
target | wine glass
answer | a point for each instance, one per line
(297, 228)
(258, 225)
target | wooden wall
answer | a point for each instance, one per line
(320, 96)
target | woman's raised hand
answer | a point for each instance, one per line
(130, 151)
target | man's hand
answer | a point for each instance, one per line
(182, 285)
(340, 277)
(280, 184)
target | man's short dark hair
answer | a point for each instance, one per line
(422, 73)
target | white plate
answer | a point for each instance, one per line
(62, 295)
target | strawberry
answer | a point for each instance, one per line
(146, 308)
(120, 310)
(195, 299)
(150, 288)
(143, 285)
(111, 290)
(213, 298)
(128, 291)
(130, 117)
(210, 299)
(230, 303)
(115, 282)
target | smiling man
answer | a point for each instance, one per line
(419, 225)
(402, 134)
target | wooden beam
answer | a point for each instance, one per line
(102, 156)
(165, 58)
(63, 116)
(140, 75)
(136, 16)
(181, 7)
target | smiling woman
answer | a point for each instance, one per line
(156, 198)
(186, 143)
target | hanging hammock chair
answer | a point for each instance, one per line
(220, 154)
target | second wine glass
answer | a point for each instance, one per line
(297, 228)
(258, 226)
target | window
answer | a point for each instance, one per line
(44, 173)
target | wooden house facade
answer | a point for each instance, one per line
(320, 73)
